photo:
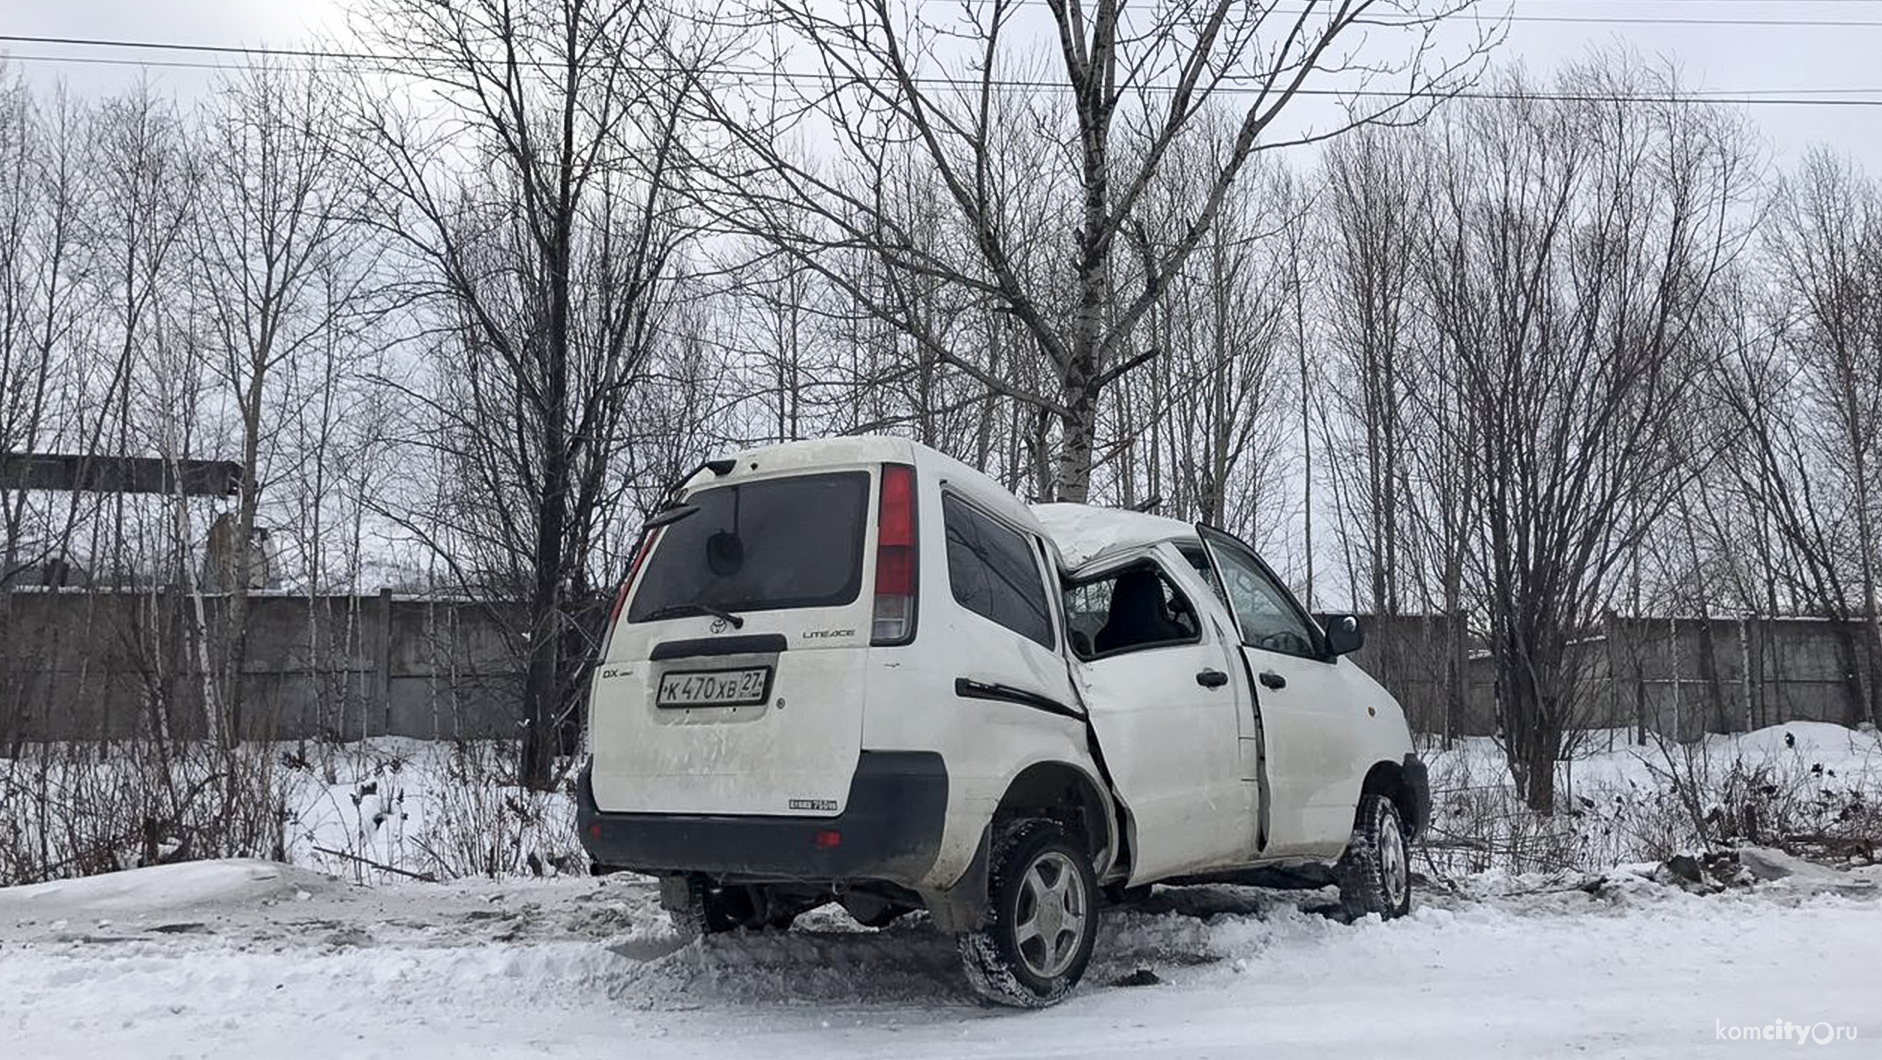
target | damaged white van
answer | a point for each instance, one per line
(856, 670)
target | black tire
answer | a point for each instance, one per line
(1119, 894)
(876, 913)
(710, 910)
(1375, 872)
(1032, 953)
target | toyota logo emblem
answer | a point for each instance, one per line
(718, 625)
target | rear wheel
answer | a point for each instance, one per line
(1044, 918)
(873, 911)
(697, 907)
(1375, 872)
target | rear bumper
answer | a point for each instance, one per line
(890, 830)
(1418, 785)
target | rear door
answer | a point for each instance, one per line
(1309, 722)
(1003, 628)
(758, 709)
(1157, 681)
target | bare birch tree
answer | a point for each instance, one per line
(1044, 164)
(275, 234)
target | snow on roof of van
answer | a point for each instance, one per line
(1084, 532)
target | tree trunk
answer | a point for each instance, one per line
(1071, 481)
(1532, 731)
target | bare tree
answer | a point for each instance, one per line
(272, 258)
(1202, 431)
(1800, 404)
(1375, 208)
(1581, 252)
(1825, 244)
(534, 208)
(1044, 166)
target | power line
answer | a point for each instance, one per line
(1496, 12)
(1736, 97)
(1782, 22)
(1684, 20)
(1822, 97)
(1697, 20)
(218, 49)
(160, 64)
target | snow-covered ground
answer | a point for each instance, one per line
(371, 810)
(1624, 802)
(331, 957)
(252, 959)
(377, 810)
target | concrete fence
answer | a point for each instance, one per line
(1682, 677)
(87, 664)
(83, 664)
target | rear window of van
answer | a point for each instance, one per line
(762, 546)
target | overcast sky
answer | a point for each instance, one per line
(1795, 59)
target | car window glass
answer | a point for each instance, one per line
(1263, 609)
(1199, 562)
(761, 546)
(1129, 610)
(994, 573)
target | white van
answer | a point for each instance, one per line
(857, 670)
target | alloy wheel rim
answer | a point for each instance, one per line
(1049, 922)
(1394, 867)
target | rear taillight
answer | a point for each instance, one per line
(627, 585)
(895, 557)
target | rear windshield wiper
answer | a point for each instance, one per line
(671, 515)
(682, 610)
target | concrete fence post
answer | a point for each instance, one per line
(382, 661)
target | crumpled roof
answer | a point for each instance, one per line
(1084, 532)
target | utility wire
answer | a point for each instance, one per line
(1508, 11)
(1737, 98)
(1821, 97)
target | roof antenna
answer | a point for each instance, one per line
(1149, 506)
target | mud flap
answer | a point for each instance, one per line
(965, 906)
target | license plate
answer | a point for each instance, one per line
(714, 688)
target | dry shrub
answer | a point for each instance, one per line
(1682, 799)
(72, 809)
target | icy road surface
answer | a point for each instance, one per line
(260, 961)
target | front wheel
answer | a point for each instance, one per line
(1044, 918)
(1375, 872)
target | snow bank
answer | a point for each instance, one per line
(190, 885)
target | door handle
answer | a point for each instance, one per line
(1212, 679)
(1273, 680)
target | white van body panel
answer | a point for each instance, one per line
(794, 754)
(1324, 730)
(1305, 747)
(791, 755)
(1171, 743)
(1193, 778)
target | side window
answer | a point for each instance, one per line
(1262, 608)
(1199, 562)
(993, 572)
(1131, 609)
